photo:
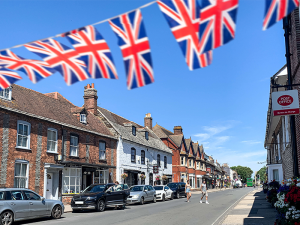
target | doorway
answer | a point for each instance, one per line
(151, 179)
(49, 194)
(87, 180)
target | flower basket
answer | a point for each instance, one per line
(124, 175)
(164, 177)
(157, 177)
(143, 176)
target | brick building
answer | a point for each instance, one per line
(51, 146)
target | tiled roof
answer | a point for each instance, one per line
(177, 139)
(188, 143)
(52, 107)
(118, 123)
(159, 131)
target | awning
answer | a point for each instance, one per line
(80, 164)
(131, 171)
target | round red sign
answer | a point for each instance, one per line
(285, 100)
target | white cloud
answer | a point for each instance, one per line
(211, 131)
(251, 142)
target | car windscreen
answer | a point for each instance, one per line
(137, 188)
(172, 185)
(158, 188)
(94, 189)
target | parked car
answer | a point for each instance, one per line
(178, 188)
(163, 192)
(21, 204)
(100, 196)
(141, 194)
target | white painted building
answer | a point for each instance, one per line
(139, 150)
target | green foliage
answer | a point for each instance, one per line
(243, 171)
(262, 173)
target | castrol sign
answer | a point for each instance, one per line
(285, 103)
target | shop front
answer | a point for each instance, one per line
(132, 178)
(168, 180)
(199, 181)
(192, 180)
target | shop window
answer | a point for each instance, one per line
(23, 137)
(74, 145)
(51, 140)
(21, 174)
(102, 149)
(165, 162)
(158, 160)
(71, 180)
(101, 177)
(133, 155)
(142, 157)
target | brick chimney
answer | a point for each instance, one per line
(177, 130)
(148, 121)
(90, 98)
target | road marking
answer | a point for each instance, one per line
(231, 207)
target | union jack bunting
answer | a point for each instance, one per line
(276, 10)
(183, 18)
(7, 78)
(90, 44)
(34, 69)
(134, 44)
(217, 23)
(62, 58)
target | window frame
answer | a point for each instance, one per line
(143, 157)
(158, 161)
(82, 118)
(147, 135)
(165, 162)
(102, 150)
(28, 135)
(133, 130)
(22, 162)
(77, 176)
(9, 94)
(133, 156)
(56, 142)
(77, 149)
(181, 160)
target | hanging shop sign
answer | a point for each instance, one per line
(285, 103)
(155, 169)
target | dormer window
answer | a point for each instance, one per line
(82, 118)
(147, 135)
(134, 130)
(5, 93)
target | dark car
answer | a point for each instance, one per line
(178, 188)
(100, 196)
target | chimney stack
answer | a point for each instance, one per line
(90, 98)
(177, 130)
(148, 121)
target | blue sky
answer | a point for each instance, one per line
(223, 106)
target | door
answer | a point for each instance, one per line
(19, 204)
(150, 179)
(147, 193)
(151, 193)
(168, 192)
(37, 207)
(49, 186)
(114, 196)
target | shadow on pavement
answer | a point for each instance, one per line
(261, 212)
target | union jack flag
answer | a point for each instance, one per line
(276, 10)
(135, 48)
(7, 78)
(90, 44)
(183, 18)
(34, 69)
(62, 58)
(217, 23)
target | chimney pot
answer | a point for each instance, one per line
(177, 130)
(148, 121)
(88, 86)
(93, 85)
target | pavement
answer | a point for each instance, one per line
(68, 208)
(252, 209)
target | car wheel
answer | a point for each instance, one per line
(172, 196)
(163, 198)
(154, 199)
(100, 206)
(56, 212)
(7, 218)
(142, 201)
(177, 195)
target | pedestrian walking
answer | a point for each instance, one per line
(188, 191)
(204, 191)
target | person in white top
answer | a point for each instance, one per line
(204, 191)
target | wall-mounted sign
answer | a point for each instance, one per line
(155, 169)
(285, 103)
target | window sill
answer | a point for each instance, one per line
(74, 157)
(21, 148)
(56, 153)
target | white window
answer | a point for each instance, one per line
(52, 140)
(23, 138)
(82, 118)
(278, 146)
(71, 180)
(276, 175)
(102, 149)
(21, 174)
(185, 161)
(197, 165)
(182, 160)
(101, 177)
(190, 162)
(74, 146)
(5, 93)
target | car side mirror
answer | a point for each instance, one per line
(42, 199)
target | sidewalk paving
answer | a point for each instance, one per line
(253, 209)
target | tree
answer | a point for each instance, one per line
(243, 171)
(262, 173)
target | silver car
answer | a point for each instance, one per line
(141, 194)
(21, 204)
